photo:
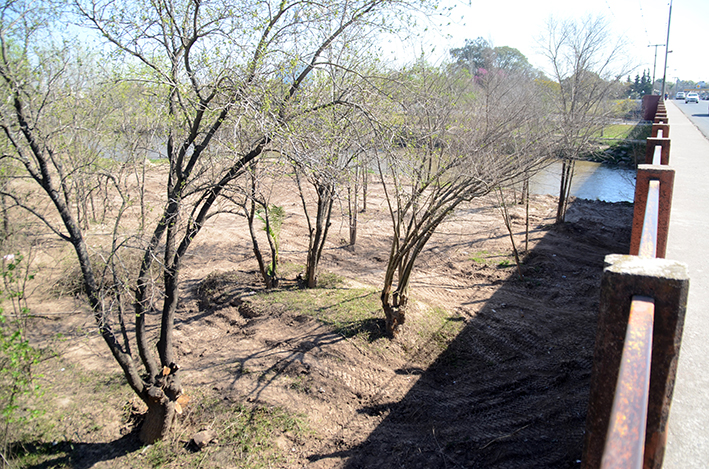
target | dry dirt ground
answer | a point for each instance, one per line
(508, 391)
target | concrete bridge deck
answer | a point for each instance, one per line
(688, 438)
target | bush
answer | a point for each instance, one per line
(17, 357)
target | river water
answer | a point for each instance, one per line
(591, 181)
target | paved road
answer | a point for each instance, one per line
(697, 113)
(688, 438)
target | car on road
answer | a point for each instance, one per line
(679, 95)
(691, 98)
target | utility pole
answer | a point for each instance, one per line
(654, 64)
(667, 45)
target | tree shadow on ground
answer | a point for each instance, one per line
(511, 390)
(79, 455)
(371, 329)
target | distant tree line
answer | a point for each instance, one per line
(641, 86)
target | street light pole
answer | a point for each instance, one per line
(667, 46)
(654, 64)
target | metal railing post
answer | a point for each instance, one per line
(625, 441)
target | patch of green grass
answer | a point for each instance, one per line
(251, 430)
(330, 280)
(356, 313)
(625, 132)
(248, 437)
(350, 311)
(479, 257)
(55, 455)
(621, 144)
(290, 269)
(500, 259)
(616, 131)
(159, 454)
(299, 384)
(439, 328)
(80, 408)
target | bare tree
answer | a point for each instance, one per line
(322, 156)
(255, 204)
(354, 187)
(324, 147)
(461, 139)
(508, 224)
(45, 136)
(586, 65)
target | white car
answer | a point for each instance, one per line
(692, 98)
(679, 95)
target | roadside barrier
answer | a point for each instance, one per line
(641, 316)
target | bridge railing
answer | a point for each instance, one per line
(641, 315)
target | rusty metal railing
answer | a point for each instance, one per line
(625, 442)
(648, 237)
(637, 345)
(653, 192)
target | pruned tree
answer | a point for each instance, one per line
(255, 205)
(462, 139)
(323, 153)
(586, 64)
(324, 148)
(50, 136)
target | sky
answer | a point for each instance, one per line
(517, 23)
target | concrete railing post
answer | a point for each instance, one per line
(665, 128)
(625, 276)
(663, 143)
(666, 176)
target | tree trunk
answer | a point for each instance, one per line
(5, 220)
(353, 209)
(365, 181)
(395, 306)
(353, 231)
(159, 418)
(567, 174)
(526, 214)
(272, 271)
(318, 234)
(167, 319)
(508, 225)
(311, 269)
(250, 213)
